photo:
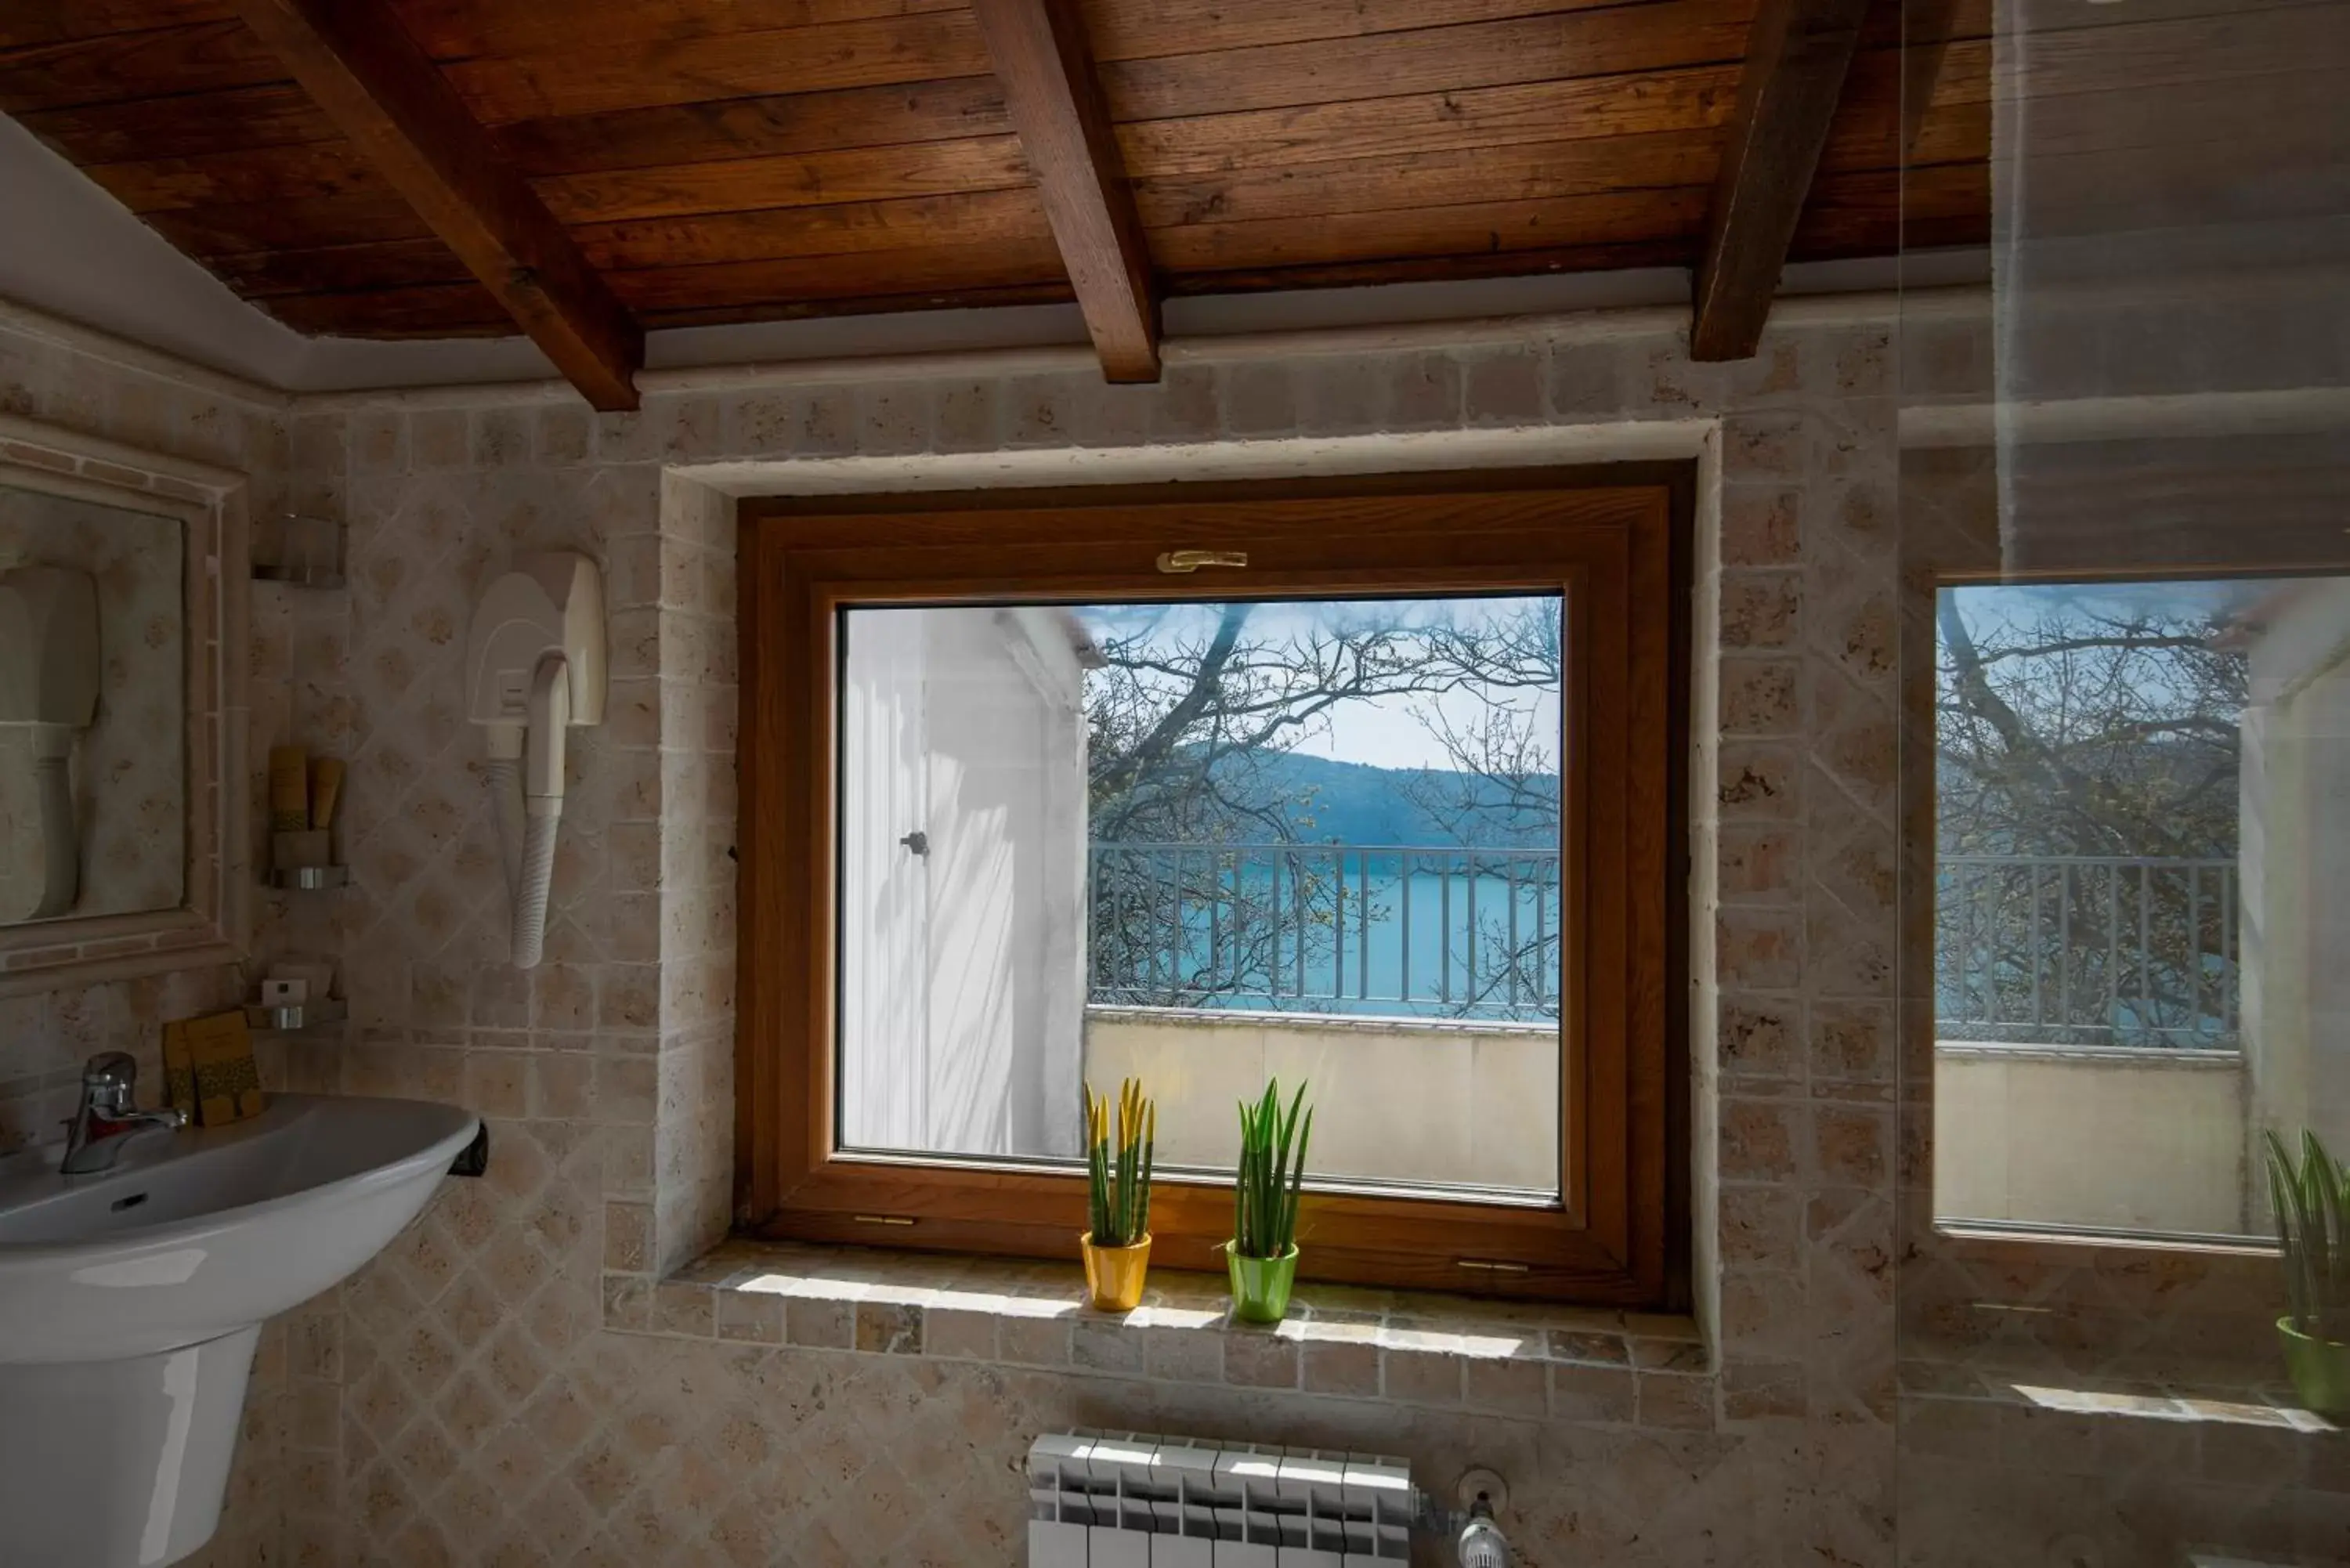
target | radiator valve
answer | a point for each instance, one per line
(1482, 1544)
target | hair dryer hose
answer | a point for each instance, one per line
(535, 875)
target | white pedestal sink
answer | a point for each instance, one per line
(131, 1299)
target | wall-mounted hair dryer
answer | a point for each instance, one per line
(48, 687)
(533, 668)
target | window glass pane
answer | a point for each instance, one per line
(2141, 794)
(1207, 845)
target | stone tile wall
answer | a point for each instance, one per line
(462, 1400)
(486, 1415)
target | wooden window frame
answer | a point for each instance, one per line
(1614, 539)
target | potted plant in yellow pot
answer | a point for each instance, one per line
(1262, 1253)
(2313, 1221)
(1116, 1243)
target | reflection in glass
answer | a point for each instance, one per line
(93, 816)
(2139, 795)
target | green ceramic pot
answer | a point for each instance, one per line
(1261, 1285)
(2320, 1369)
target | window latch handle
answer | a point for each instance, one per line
(1192, 560)
(917, 842)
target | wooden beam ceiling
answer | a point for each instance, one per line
(363, 70)
(1796, 59)
(734, 161)
(1055, 104)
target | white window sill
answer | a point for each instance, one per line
(1592, 1366)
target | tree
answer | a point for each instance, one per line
(2085, 770)
(1185, 716)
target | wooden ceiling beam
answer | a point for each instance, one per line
(1055, 104)
(1927, 25)
(1796, 59)
(363, 70)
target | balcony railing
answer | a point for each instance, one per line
(1394, 930)
(2086, 950)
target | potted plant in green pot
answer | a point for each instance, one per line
(1116, 1243)
(2313, 1221)
(1262, 1253)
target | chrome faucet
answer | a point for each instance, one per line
(109, 1116)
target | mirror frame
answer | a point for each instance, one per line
(213, 505)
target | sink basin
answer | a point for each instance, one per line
(131, 1300)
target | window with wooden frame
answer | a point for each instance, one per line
(1376, 785)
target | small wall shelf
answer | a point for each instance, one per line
(310, 878)
(295, 1016)
(305, 552)
(298, 577)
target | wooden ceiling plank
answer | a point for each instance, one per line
(109, 68)
(1412, 182)
(1797, 62)
(807, 180)
(372, 81)
(29, 22)
(598, 78)
(1929, 33)
(914, 270)
(186, 125)
(851, 228)
(1057, 292)
(772, 126)
(434, 310)
(470, 30)
(301, 173)
(247, 226)
(1659, 35)
(1873, 116)
(1426, 269)
(1057, 106)
(340, 269)
(1152, 29)
(1692, 97)
(1486, 229)
(1879, 211)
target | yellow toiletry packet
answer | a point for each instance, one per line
(210, 1059)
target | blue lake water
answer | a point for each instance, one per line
(1436, 942)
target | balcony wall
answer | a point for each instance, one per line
(1416, 1099)
(2141, 1140)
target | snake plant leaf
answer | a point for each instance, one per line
(2283, 1197)
(2311, 1196)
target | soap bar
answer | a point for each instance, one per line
(220, 1057)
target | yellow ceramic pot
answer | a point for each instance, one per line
(1114, 1274)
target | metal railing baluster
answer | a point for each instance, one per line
(1989, 953)
(1338, 926)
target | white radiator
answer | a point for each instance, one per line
(1136, 1500)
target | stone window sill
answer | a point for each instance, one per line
(1598, 1368)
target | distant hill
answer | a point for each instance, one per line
(1332, 802)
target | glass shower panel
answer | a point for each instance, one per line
(2126, 765)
